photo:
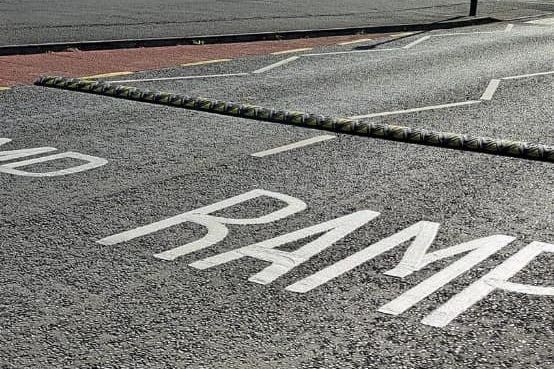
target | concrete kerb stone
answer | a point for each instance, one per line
(517, 149)
(6, 50)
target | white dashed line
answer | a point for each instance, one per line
(354, 42)
(491, 89)
(107, 75)
(179, 78)
(529, 75)
(295, 145)
(433, 107)
(205, 62)
(275, 65)
(545, 21)
(351, 52)
(292, 51)
(418, 41)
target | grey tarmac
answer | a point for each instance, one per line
(70, 301)
(35, 21)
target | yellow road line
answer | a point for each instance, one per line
(292, 51)
(206, 62)
(114, 74)
(354, 42)
(4, 88)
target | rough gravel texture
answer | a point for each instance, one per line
(69, 302)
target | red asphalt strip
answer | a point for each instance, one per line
(24, 69)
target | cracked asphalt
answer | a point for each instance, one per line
(68, 301)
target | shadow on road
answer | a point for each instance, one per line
(369, 47)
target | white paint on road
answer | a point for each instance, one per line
(275, 65)
(405, 111)
(481, 249)
(544, 21)
(416, 42)
(215, 225)
(423, 232)
(16, 154)
(491, 89)
(181, 78)
(92, 162)
(508, 28)
(355, 41)
(309, 141)
(495, 279)
(107, 75)
(419, 238)
(292, 51)
(205, 62)
(284, 261)
(529, 75)
(351, 52)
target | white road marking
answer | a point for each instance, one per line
(275, 65)
(351, 52)
(481, 249)
(204, 62)
(309, 141)
(545, 21)
(495, 279)
(529, 75)
(284, 261)
(465, 33)
(16, 154)
(412, 44)
(491, 89)
(433, 107)
(420, 235)
(392, 37)
(106, 75)
(292, 51)
(354, 42)
(402, 34)
(418, 41)
(508, 28)
(215, 225)
(182, 77)
(423, 232)
(93, 162)
(415, 258)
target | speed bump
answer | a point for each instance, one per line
(517, 149)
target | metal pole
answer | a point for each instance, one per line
(473, 8)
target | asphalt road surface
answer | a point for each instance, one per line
(85, 284)
(36, 21)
